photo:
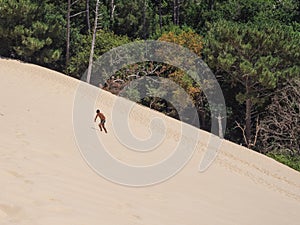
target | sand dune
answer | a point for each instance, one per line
(44, 178)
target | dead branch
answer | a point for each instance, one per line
(77, 14)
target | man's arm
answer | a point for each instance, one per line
(96, 117)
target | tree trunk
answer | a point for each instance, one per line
(88, 16)
(174, 12)
(88, 79)
(219, 118)
(144, 20)
(111, 12)
(177, 11)
(248, 113)
(68, 33)
(248, 120)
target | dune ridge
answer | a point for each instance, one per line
(45, 180)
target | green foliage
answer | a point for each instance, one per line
(263, 53)
(186, 38)
(33, 34)
(134, 19)
(257, 11)
(192, 41)
(252, 58)
(292, 161)
(105, 41)
(200, 13)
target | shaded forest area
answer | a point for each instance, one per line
(253, 48)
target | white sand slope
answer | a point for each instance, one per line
(44, 180)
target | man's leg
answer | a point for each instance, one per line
(104, 128)
(100, 126)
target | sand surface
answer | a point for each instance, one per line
(44, 179)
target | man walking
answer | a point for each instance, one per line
(102, 120)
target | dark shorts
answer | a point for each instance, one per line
(102, 121)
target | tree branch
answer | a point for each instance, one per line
(76, 14)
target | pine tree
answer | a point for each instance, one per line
(253, 59)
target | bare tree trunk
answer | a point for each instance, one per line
(176, 8)
(177, 11)
(68, 33)
(219, 118)
(88, 79)
(248, 120)
(174, 11)
(248, 113)
(112, 10)
(144, 19)
(88, 15)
